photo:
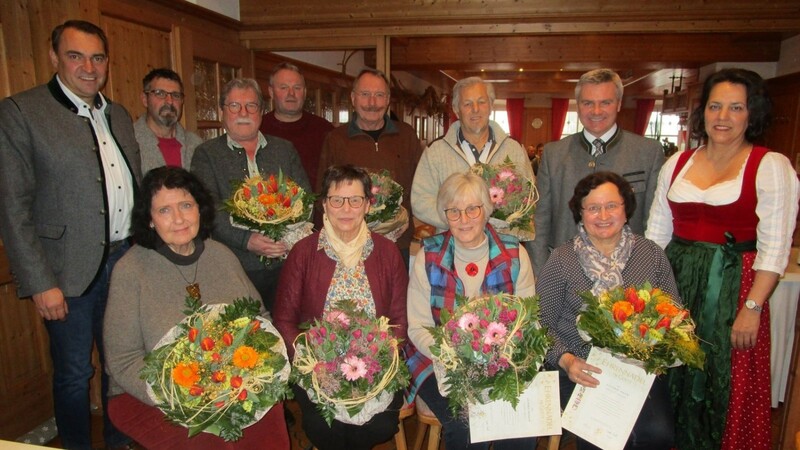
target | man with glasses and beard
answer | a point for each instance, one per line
(162, 139)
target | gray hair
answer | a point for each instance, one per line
(599, 76)
(471, 81)
(375, 72)
(241, 83)
(285, 66)
(463, 184)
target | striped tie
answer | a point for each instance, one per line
(598, 147)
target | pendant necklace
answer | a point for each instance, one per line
(192, 287)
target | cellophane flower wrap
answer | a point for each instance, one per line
(277, 207)
(641, 323)
(513, 196)
(220, 370)
(386, 216)
(350, 364)
(490, 348)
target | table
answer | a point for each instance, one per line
(783, 312)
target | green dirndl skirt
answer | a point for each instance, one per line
(708, 277)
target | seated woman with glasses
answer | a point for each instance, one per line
(470, 259)
(605, 254)
(343, 261)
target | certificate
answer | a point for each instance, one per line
(537, 413)
(605, 415)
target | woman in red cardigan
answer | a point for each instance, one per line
(343, 261)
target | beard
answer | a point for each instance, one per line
(168, 116)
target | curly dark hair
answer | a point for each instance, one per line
(168, 178)
(592, 181)
(759, 104)
(347, 172)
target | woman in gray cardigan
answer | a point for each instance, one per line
(173, 257)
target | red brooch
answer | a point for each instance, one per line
(472, 269)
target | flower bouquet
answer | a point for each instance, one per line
(643, 324)
(220, 370)
(386, 214)
(349, 364)
(514, 198)
(276, 207)
(490, 348)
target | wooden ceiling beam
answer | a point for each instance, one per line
(513, 52)
(507, 16)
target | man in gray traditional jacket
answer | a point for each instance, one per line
(162, 139)
(601, 146)
(69, 167)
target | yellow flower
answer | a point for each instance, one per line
(245, 357)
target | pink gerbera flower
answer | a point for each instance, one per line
(353, 368)
(506, 174)
(495, 333)
(468, 321)
(336, 316)
(497, 194)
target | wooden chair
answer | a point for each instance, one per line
(400, 438)
(426, 419)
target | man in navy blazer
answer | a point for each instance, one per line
(69, 167)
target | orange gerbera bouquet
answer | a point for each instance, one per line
(220, 370)
(641, 323)
(276, 207)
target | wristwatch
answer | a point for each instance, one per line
(752, 306)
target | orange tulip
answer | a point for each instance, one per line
(621, 311)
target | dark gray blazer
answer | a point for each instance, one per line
(567, 161)
(52, 191)
(218, 167)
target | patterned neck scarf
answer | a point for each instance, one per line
(604, 271)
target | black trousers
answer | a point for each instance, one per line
(342, 436)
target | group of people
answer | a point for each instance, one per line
(609, 207)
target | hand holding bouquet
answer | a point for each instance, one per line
(491, 347)
(641, 323)
(386, 214)
(220, 370)
(513, 196)
(349, 364)
(276, 207)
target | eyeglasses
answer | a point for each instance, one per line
(337, 201)
(251, 107)
(163, 94)
(454, 214)
(366, 95)
(610, 208)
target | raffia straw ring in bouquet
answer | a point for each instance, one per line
(350, 365)
(386, 216)
(277, 207)
(513, 196)
(490, 348)
(643, 324)
(220, 370)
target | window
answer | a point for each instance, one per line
(501, 117)
(663, 126)
(210, 78)
(571, 124)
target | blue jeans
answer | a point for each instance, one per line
(71, 351)
(455, 430)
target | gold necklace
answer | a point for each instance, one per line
(192, 287)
